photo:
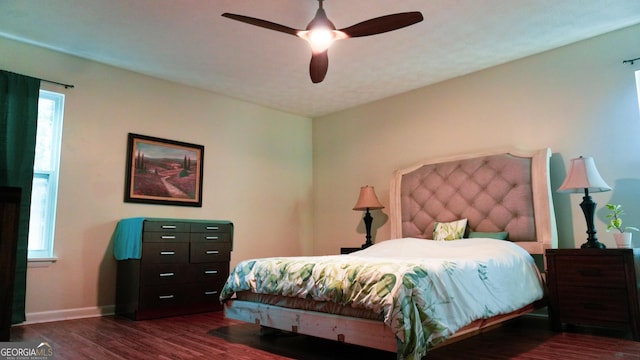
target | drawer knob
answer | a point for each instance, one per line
(165, 297)
(212, 228)
(168, 237)
(168, 274)
(167, 252)
(168, 226)
(211, 272)
(211, 238)
(212, 252)
(210, 292)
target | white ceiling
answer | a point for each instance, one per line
(189, 42)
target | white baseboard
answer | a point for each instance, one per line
(68, 314)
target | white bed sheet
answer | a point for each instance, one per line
(491, 276)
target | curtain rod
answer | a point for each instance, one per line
(630, 61)
(66, 86)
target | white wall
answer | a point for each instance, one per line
(257, 171)
(577, 100)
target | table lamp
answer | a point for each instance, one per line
(367, 201)
(584, 176)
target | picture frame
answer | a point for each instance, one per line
(163, 172)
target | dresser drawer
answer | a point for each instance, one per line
(165, 252)
(210, 237)
(204, 293)
(165, 237)
(207, 272)
(166, 226)
(207, 252)
(594, 304)
(211, 227)
(600, 271)
(162, 296)
(164, 273)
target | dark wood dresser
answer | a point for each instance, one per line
(595, 287)
(182, 269)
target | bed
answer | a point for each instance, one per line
(411, 293)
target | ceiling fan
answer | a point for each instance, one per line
(321, 33)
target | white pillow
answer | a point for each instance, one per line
(449, 230)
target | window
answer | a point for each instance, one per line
(44, 192)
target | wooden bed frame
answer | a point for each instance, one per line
(375, 334)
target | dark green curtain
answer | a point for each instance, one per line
(18, 119)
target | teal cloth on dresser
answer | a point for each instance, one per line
(127, 238)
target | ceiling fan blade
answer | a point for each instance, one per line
(383, 24)
(262, 23)
(318, 66)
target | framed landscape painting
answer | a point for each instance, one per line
(161, 171)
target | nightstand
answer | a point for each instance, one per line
(594, 287)
(349, 250)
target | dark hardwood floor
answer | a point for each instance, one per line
(211, 336)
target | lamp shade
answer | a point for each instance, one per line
(582, 175)
(367, 199)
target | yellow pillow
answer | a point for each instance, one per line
(449, 230)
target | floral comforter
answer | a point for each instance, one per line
(426, 290)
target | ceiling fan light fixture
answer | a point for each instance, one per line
(320, 33)
(321, 38)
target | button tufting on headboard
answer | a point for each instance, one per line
(494, 191)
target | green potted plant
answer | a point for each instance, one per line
(622, 235)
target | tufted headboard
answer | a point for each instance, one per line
(496, 191)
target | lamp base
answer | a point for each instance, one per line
(368, 219)
(593, 245)
(589, 208)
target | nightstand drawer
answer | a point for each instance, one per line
(601, 271)
(593, 304)
(594, 287)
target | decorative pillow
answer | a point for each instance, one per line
(449, 230)
(502, 235)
